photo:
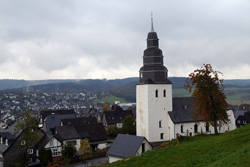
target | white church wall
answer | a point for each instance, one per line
(142, 110)
(152, 111)
(171, 130)
(188, 128)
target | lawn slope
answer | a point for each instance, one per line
(226, 150)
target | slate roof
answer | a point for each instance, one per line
(114, 117)
(7, 134)
(95, 131)
(125, 145)
(63, 133)
(183, 110)
(79, 121)
(54, 120)
(45, 113)
(237, 113)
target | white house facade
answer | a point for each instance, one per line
(159, 117)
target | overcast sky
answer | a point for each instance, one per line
(80, 39)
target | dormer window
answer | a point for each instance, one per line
(6, 142)
(185, 107)
(1, 140)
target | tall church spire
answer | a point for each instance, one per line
(152, 25)
(153, 70)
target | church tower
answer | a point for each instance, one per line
(153, 93)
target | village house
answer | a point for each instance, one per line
(126, 146)
(115, 117)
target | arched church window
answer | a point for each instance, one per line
(164, 93)
(156, 93)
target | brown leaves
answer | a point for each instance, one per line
(210, 100)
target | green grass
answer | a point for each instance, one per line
(226, 150)
(110, 99)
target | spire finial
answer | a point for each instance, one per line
(152, 26)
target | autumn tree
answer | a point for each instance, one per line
(128, 125)
(85, 150)
(209, 97)
(106, 107)
(112, 131)
(27, 127)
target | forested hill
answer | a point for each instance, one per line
(124, 88)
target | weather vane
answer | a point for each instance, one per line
(152, 26)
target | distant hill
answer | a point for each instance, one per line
(228, 150)
(236, 90)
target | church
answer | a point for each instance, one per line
(159, 116)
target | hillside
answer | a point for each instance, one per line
(237, 91)
(228, 150)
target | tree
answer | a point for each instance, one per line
(27, 127)
(128, 125)
(68, 150)
(106, 107)
(210, 99)
(45, 156)
(85, 150)
(112, 130)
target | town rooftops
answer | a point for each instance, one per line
(78, 121)
(114, 117)
(63, 133)
(54, 120)
(95, 131)
(45, 113)
(125, 146)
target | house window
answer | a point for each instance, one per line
(37, 153)
(238, 121)
(22, 142)
(30, 151)
(185, 107)
(30, 160)
(159, 124)
(54, 152)
(6, 141)
(244, 122)
(141, 75)
(162, 135)
(1, 140)
(143, 148)
(156, 93)
(181, 128)
(164, 93)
